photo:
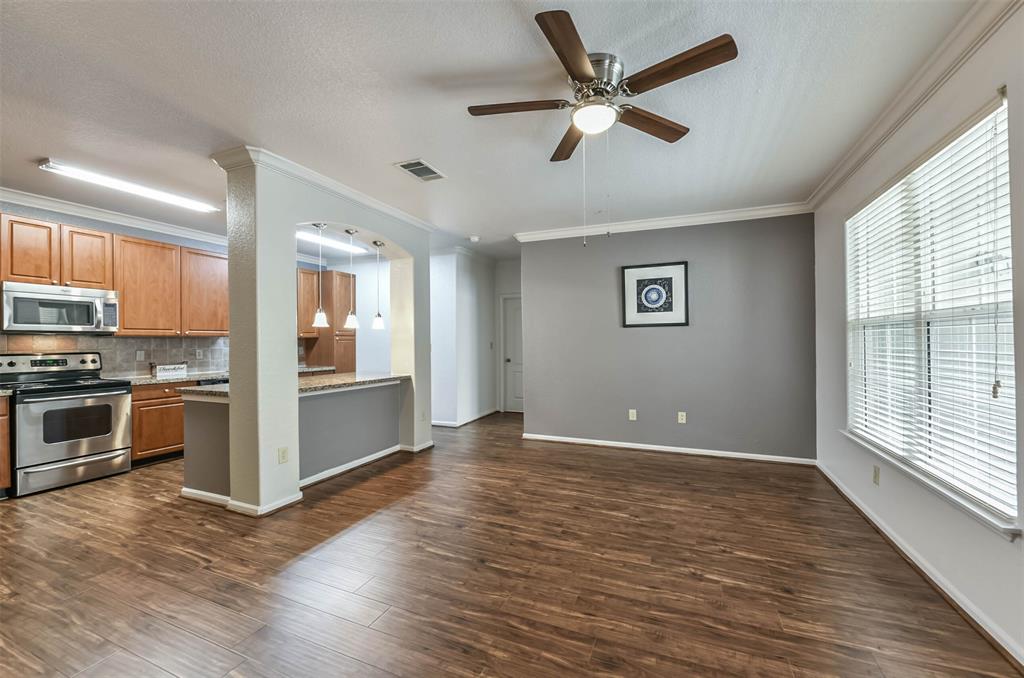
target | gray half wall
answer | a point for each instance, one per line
(743, 370)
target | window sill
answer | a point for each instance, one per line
(1007, 529)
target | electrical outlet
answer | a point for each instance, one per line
(140, 356)
(876, 475)
(282, 455)
(631, 415)
(681, 417)
(199, 354)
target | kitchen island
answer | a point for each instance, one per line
(345, 421)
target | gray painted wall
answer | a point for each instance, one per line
(343, 426)
(743, 370)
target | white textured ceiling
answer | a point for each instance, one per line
(148, 90)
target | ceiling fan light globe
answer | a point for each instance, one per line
(594, 117)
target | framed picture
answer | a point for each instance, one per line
(655, 295)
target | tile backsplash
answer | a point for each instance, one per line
(119, 353)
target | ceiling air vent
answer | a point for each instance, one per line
(420, 170)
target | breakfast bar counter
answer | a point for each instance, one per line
(345, 421)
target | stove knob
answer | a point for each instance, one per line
(11, 363)
(94, 361)
(82, 361)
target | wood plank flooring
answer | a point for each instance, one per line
(487, 556)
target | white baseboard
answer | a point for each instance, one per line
(457, 424)
(416, 448)
(257, 511)
(668, 448)
(1010, 644)
(205, 497)
(337, 470)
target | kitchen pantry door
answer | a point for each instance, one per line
(512, 345)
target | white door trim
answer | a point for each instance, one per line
(502, 298)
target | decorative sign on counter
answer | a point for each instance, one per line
(166, 371)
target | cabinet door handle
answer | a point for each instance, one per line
(56, 282)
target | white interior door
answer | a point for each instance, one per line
(512, 326)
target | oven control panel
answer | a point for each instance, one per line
(21, 363)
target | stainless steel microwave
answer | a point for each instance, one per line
(53, 309)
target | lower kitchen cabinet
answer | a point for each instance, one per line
(158, 419)
(5, 445)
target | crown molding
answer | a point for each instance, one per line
(86, 212)
(976, 28)
(249, 156)
(719, 217)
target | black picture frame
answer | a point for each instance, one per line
(628, 299)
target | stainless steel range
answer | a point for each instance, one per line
(69, 425)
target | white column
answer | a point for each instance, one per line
(264, 411)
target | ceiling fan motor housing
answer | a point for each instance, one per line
(608, 71)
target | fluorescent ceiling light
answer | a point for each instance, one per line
(125, 186)
(329, 242)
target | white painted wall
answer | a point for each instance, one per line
(444, 388)
(979, 568)
(508, 277)
(462, 299)
(373, 347)
(475, 342)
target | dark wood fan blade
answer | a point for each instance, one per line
(561, 33)
(701, 57)
(518, 106)
(567, 145)
(652, 124)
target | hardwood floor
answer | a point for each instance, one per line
(487, 556)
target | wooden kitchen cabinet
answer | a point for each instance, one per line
(87, 258)
(5, 445)
(335, 345)
(147, 277)
(29, 250)
(345, 352)
(307, 288)
(158, 419)
(204, 293)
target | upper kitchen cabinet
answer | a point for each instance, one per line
(30, 250)
(147, 276)
(204, 293)
(87, 258)
(342, 301)
(307, 302)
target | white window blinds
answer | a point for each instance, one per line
(930, 323)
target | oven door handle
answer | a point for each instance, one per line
(76, 396)
(81, 461)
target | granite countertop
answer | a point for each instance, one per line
(5, 392)
(148, 380)
(307, 384)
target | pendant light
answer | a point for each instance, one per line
(378, 320)
(351, 321)
(320, 318)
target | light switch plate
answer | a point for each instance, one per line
(681, 417)
(140, 356)
(631, 414)
(199, 354)
(282, 455)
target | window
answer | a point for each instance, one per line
(930, 322)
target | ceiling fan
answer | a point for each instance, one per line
(597, 78)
